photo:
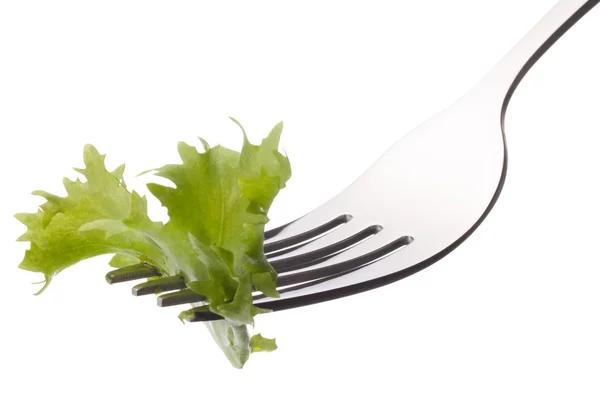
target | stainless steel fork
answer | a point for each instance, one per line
(415, 205)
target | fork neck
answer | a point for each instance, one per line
(508, 73)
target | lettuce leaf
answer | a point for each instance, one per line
(57, 240)
(213, 239)
(259, 343)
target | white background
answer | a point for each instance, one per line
(509, 320)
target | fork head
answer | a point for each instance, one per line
(416, 204)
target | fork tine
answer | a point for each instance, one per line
(307, 278)
(372, 239)
(309, 258)
(179, 298)
(344, 266)
(203, 314)
(199, 314)
(333, 211)
(159, 285)
(332, 240)
(299, 276)
(369, 256)
(133, 272)
(397, 265)
(271, 233)
(362, 243)
(307, 235)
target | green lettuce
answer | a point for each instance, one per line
(213, 238)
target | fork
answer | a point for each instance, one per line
(415, 205)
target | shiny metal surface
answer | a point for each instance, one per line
(434, 186)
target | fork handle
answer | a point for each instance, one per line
(508, 73)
